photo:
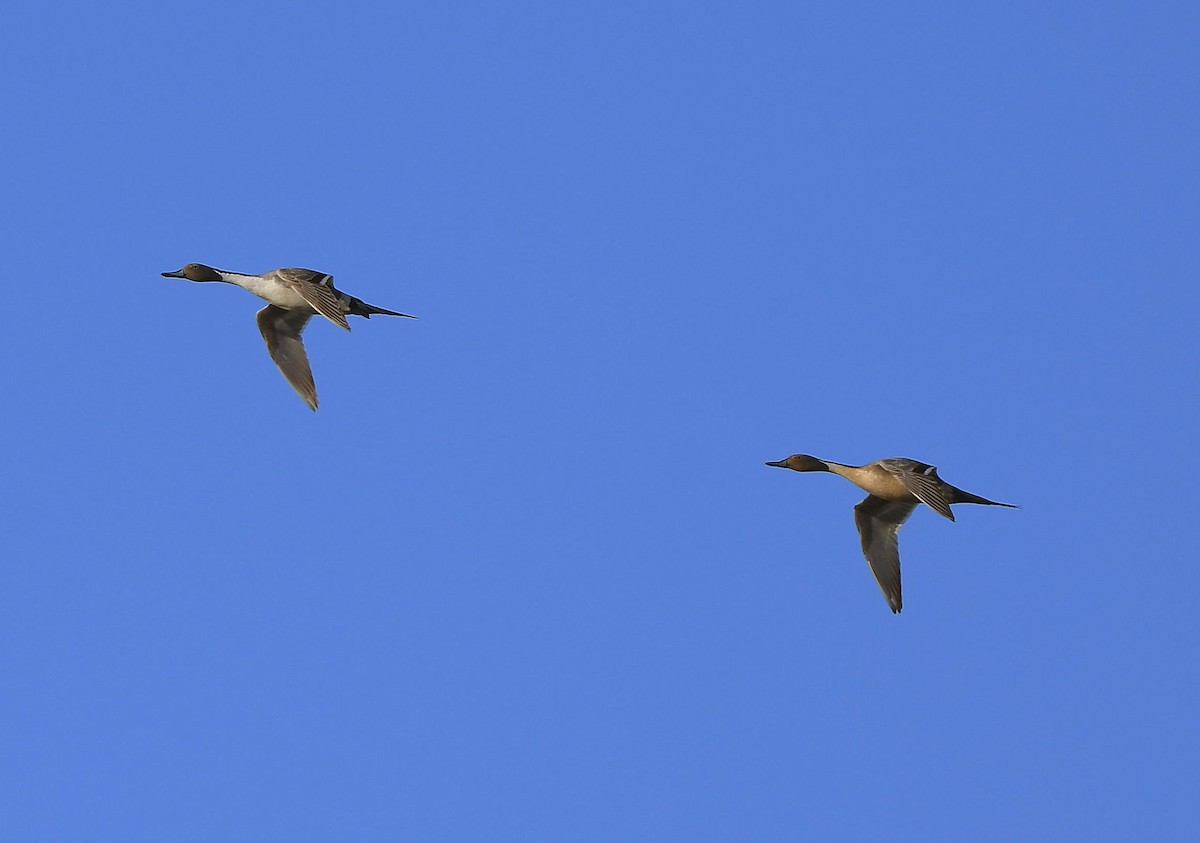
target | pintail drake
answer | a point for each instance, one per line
(894, 488)
(293, 297)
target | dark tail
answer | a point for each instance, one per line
(358, 307)
(966, 497)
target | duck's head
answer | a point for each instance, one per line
(195, 272)
(801, 462)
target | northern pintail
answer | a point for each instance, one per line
(294, 296)
(895, 486)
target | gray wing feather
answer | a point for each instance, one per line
(318, 290)
(923, 482)
(878, 522)
(281, 329)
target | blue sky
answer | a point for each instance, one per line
(524, 575)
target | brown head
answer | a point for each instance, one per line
(801, 462)
(195, 272)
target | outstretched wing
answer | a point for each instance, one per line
(318, 290)
(878, 522)
(923, 482)
(281, 329)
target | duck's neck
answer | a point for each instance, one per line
(256, 284)
(856, 474)
(239, 278)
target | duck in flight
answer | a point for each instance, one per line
(895, 486)
(293, 297)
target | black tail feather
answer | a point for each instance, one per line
(966, 497)
(358, 307)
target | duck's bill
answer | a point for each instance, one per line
(176, 274)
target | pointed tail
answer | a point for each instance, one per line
(966, 497)
(358, 307)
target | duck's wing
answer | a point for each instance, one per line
(921, 479)
(281, 329)
(318, 290)
(878, 522)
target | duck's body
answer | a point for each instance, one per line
(293, 296)
(276, 287)
(894, 487)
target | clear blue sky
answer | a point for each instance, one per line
(524, 576)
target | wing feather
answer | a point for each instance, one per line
(318, 290)
(878, 521)
(923, 482)
(281, 329)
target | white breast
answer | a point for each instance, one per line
(268, 289)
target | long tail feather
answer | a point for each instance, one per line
(358, 307)
(966, 497)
